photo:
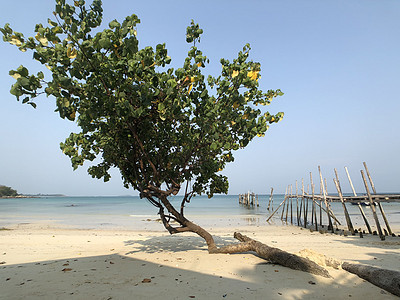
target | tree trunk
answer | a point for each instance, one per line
(274, 255)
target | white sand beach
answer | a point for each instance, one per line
(42, 262)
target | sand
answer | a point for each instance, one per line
(38, 261)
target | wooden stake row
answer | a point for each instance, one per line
(324, 202)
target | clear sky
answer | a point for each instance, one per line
(337, 61)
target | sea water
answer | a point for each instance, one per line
(133, 213)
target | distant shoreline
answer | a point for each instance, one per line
(32, 196)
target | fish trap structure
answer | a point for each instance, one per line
(321, 205)
(249, 199)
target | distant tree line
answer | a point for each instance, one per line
(6, 191)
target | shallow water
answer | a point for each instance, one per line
(133, 213)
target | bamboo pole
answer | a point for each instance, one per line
(372, 207)
(330, 226)
(337, 178)
(358, 204)
(385, 219)
(270, 199)
(287, 205)
(315, 209)
(277, 209)
(302, 199)
(351, 183)
(313, 204)
(320, 206)
(283, 208)
(379, 204)
(306, 209)
(291, 205)
(369, 177)
(297, 206)
(346, 213)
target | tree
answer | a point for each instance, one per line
(6, 191)
(164, 129)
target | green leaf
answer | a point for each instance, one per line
(104, 43)
(23, 71)
(24, 82)
(113, 24)
(52, 23)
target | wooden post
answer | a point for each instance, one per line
(257, 200)
(358, 203)
(330, 226)
(379, 204)
(277, 209)
(270, 200)
(326, 187)
(346, 213)
(385, 219)
(302, 199)
(315, 209)
(351, 183)
(287, 205)
(291, 206)
(297, 206)
(313, 204)
(283, 208)
(372, 207)
(369, 177)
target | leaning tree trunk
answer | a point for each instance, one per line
(274, 255)
(246, 244)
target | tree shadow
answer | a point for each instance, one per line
(199, 276)
(174, 243)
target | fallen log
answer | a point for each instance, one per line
(388, 280)
(274, 255)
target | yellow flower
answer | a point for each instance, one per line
(235, 73)
(199, 64)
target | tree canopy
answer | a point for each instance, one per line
(6, 191)
(165, 129)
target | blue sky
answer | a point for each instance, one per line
(338, 63)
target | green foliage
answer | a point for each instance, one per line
(159, 126)
(6, 191)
